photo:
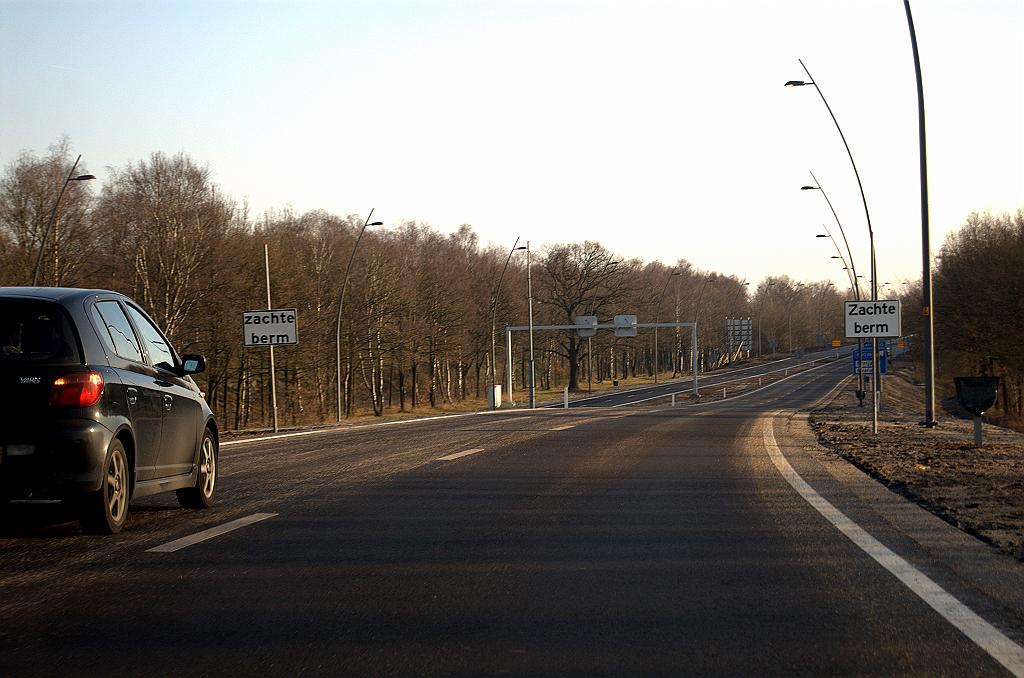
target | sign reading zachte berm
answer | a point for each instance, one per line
(272, 327)
(873, 319)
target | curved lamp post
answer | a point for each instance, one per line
(341, 304)
(860, 185)
(529, 300)
(53, 216)
(657, 314)
(926, 250)
(854, 287)
(760, 319)
(696, 305)
(871, 236)
(494, 306)
(842, 231)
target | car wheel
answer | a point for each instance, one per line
(201, 495)
(106, 510)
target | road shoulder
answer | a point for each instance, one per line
(990, 582)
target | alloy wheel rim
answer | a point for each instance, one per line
(117, 487)
(207, 468)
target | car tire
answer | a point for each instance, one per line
(202, 494)
(106, 510)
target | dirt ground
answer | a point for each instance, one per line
(981, 491)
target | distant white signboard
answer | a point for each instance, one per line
(272, 327)
(873, 319)
(587, 325)
(625, 325)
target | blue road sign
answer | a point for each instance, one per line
(883, 358)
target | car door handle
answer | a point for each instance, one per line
(133, 395)
(168, 401)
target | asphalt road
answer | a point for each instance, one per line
(605, 539)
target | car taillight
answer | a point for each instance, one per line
(78, 389)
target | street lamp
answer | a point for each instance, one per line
(926, 255)
(494, 305)
(760, 319)
(341, 304)
(657, 314)
(839, 255)
(53, 216)
(842, 231)
(871, 235)
(529, 296)
(696, 305)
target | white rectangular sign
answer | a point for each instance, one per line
(272, 327)
(587, 325)
(625, 325)
(873, 319)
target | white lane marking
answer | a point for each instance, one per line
(192, 539)
(685, 380)
(459, 455)
(742, 394)
(562, 428)
(987, 637)
(356, 429)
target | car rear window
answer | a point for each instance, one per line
(35, 331)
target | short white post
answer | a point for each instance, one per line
(673, 400)
(565, 397)
(723, 392)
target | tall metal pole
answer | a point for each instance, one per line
(494, 306)
(53, 217)
(871, 237)
(341, 305)
(590, 364)
(273, 374)
(508, 357)
(842, 232)
(855, 289)
(529, 293)
(657, 314)
(927, 309)
(693, 358)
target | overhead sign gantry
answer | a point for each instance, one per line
(587, 326)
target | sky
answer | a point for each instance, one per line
(660, 129)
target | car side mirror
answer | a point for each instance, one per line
(193, 364)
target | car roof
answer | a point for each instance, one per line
(57, 294)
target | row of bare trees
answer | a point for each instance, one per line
(978, 287)
(416, 323)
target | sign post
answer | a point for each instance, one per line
(270, 327)
(873, 320)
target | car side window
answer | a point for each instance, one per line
(119, 330)
(159, 351)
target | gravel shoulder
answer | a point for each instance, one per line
(980, 491)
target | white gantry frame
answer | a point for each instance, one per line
(509, 329)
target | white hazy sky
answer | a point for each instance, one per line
(660, 129)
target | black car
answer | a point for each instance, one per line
(96, 408)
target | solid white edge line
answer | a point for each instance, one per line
(983, 634)
(198, 537)
(459, 455)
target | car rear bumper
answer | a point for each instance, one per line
(62, 461)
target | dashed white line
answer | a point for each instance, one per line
(987, 637)
(192, 539)
(459, 455)
(562, 428)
